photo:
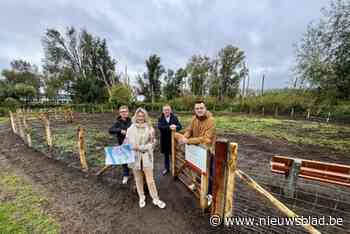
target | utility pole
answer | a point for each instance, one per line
(243, 89)
(262, 85)
(247, 92)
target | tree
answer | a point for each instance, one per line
(323, 54)
(25, 92)
(154, 71)
(198, 69)
(173, 83)
(22, 72)
(121, 94)
(231, 68)
(85, 57)
(143, 87)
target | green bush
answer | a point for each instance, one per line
(120, 95)
(11, 103)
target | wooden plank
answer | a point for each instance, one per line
(220, 158)
(230, 179)
(103, 170)
(19, 124)
(173, 153)
(274, 201)
(13, 123)
(46, 122)
(27, 130)
(81, 145)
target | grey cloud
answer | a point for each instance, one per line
(173, 29)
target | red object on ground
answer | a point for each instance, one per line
(314, 170)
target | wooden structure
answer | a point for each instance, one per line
(222, 180)
(195, 180)
(314, 170)
(81, 147)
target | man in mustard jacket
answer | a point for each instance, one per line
(201, 129)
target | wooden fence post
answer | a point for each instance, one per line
(308, 114)
(46, 122)
(173, 153)
(204, 186)
(328, 117)
(219, 183)
(71, 116)
(276, 111)
(263, 111)
(13, 123)
(230, 181)
(292, 113)
(81, 145)
(27, 130)
(19, 122)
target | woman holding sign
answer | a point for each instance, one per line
(141, 136)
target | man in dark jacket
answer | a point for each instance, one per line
(166, 123)
(119, 130)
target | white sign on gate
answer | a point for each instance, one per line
(197, 157)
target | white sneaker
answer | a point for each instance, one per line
(125, 179)
(142, 202)
(210, 199)
(159, 203)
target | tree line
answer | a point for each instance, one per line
(79, 64)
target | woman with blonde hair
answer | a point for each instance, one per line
(141, 136)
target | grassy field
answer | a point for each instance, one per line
(3, 120)
(333, 136)
(21, 208)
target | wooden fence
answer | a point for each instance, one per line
(224, 161)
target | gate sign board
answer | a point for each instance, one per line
(117, 155)
(196, 156)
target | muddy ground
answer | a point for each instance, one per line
(82, 203)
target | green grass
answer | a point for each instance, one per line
(21, 208)
(3, 120)
(65, 139)
(333, 136)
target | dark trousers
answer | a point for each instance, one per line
(167, 161)
(125, 170)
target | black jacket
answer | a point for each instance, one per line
(118, 126)
(165, 132)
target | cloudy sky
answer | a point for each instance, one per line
(173, 29)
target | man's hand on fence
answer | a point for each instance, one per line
(183, 140)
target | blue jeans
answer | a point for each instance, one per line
(125, 170)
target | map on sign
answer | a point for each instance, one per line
(117, 155)
(197, 157)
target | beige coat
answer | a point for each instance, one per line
(142, 137)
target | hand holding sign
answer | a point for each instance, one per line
(118, 155)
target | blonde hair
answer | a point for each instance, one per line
(147, 119)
